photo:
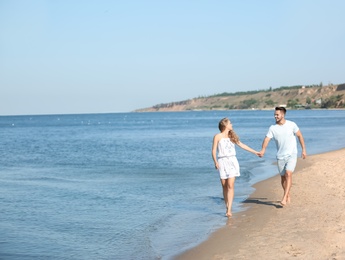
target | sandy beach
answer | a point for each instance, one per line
(312, 226)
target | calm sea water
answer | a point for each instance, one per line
(129, 185)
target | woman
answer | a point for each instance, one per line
(226, 162)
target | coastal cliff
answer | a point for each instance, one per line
(313, 96)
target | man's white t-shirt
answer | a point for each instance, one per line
(285, 138)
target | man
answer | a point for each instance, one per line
(284, 133)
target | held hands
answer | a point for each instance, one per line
(258, 154)
(261, 153)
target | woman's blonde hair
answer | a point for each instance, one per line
(232, 134)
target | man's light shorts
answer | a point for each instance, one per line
(287, 164)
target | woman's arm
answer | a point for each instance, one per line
(247, 148)
(214, 150)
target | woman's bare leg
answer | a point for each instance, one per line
(228, 193)
(225, 192)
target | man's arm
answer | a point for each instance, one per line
(264, 145)
(301, 141)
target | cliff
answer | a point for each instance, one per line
(314, 96)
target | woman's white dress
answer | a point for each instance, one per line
(227, 161)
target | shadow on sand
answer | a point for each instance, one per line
(263, 201)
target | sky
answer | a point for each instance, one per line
(71, 57)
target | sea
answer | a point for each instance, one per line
(130, 185)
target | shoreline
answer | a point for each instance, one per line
(311, 227)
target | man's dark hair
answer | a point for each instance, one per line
(283, 109)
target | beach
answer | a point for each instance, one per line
(312, 226)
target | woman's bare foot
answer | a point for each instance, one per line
(228, 214)
(288, 200)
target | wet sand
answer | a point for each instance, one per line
(312, 226)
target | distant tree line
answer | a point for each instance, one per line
(270, 89)
(172, 104)
(333, 102)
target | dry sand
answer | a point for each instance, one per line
(311, 227)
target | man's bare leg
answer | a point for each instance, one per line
(283, 182)
(286, 183)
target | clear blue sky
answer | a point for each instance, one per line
(96, 56)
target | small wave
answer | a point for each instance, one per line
(48, 179)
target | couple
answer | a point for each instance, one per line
(284, 133)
